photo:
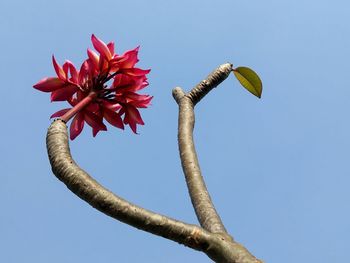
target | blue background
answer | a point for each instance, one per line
(277, 168)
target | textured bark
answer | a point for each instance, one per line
(215, 242)
(204, 208)
(88, 189)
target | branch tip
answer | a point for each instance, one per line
(178, 93)
(211, 82)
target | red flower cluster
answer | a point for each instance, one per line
(105, 87)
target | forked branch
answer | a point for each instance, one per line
(212, 240)
(204, 208)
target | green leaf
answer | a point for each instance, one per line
(249, 80)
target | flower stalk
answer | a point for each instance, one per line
(77, 108)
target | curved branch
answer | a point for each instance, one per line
(219, 247)
(204, 208)
(88, 189)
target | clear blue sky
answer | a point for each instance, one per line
(278, 168)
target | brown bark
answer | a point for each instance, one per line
(201, 201)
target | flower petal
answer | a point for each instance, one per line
(132, 117)
(134, 114)
(113, 118)
(83, 73)
(59, 70)
(95, 122)
(94, 57)
(139, 85)
(113, 106)
(130, 83)
(59, 113)
(73, 71)
(103, 67)
(133, 127)
(129, 58)
(135, 71)
(65, 68)
(121, 80)
(143, 104)
(64, 94)
(101, 47)
(110, 46)
(77, 125)
(138, 100)
(93, 107)
(49, 84)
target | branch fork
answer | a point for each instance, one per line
(210, 237)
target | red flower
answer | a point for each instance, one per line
(63, 86)
(91, 97)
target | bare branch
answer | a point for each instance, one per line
(204, 208)
(88, 189)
